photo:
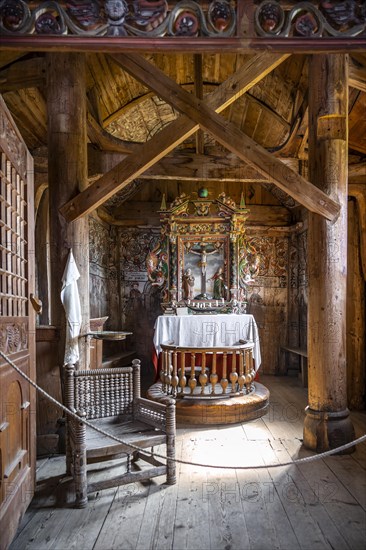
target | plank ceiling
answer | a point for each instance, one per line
(273, 112)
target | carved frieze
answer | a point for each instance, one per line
(117, 18)
(225, 19)
(311, 19)
(202, 228)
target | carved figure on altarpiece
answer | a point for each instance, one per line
(187, 284)
(219, 287)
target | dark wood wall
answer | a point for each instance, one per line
(278, 299)
(133, 304)
(120, 290)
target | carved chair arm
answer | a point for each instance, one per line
(158, 415)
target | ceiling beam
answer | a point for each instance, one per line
(8, 57)
(28, 73)
(230, 136)
(147, 154)
(184, 166)
(357, 71)
(357, 170)
(184, 44)
(198, 88)
(147, 212)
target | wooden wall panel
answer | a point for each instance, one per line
(278, 299)
(48, 378)
(140, 301)
(99, 243)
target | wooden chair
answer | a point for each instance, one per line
(110, 399)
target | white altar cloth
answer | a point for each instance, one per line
(207, 331)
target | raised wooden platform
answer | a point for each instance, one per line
(207, 411)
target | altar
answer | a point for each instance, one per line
(208, 331)
(208, 363)
(206, 347)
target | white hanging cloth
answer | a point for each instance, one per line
(71, 302)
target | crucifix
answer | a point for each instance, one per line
(203, 253)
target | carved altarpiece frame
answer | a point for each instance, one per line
(205, 236)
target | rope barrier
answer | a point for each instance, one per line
(177, 460)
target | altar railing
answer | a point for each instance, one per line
(197, 372)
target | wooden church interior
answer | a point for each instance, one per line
(116, 137)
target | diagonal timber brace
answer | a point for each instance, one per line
(145, 155)
(230, 136)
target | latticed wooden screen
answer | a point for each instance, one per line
(13, 282)
(17, 327)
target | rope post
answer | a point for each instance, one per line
(70, 402)
(171, 477)
(69, 386)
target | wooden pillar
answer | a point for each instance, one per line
(356, 309)
(67, 173)
(327, 424)
(42, 257)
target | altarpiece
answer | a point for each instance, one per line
(203, 260)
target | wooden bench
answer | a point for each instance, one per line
(303, 354)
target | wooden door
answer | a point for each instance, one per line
(17, 328)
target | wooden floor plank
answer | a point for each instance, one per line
(124, 521)
(285, 537)
(255, 503)
(286, 410)
(359, 423)
(158, 522)
(257, 430)
(49, 469)
(58, 523)
(81, 528)
(317, 505)
(305, 527)
(43, 510)
(192, 511)
(312, 497)
(352, 475)
(226, 520)
(334, 496)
